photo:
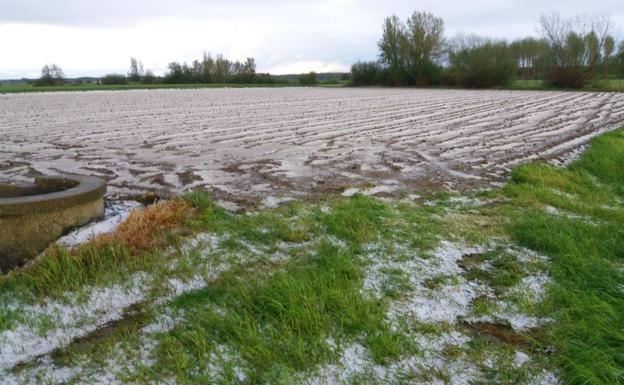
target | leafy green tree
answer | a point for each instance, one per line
(619, 60)
(208, 65)
(393, 48)
(529, 54)
(425, 46)
(593, 47)
(411, 51)
(608, 50)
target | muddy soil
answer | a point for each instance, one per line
(249, 144)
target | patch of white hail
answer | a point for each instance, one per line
(71, 319)
(520, 358)
(272, 201)
(356, 361)
(114, 214)
(223, 357)
(447, 301)
(87, 371)
(467, 201)
(424, 303)
(531, 290)
(78, 315)
(229, 206)
(566, 214)
(382, 188)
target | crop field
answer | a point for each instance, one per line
(247, 144)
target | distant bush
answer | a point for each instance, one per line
(482, 63)
(114, 79)
(367, 74)
(308, 79)
(268, 79)
(447, 78)
(148, 78)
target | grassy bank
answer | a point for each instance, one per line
(582, 231)
(518, 285)
(607, 85)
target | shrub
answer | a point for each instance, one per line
(367, 74)
(448, 78)
(427, 74)
(308, 79)
(149, 78)
(113, 79)
(482, 63)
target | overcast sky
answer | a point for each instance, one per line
(95, 37)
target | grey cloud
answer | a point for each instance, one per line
(323, 30)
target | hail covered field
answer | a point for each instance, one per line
(289, 142)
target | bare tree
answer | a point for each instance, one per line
(51, 75)
(574, 47)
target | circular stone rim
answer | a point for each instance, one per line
(89, 189)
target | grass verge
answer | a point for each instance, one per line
(584, 238)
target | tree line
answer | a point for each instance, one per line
(568, 53)
(206, 70)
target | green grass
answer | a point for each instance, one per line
(279, 323)
(587, 256)
(594, 85)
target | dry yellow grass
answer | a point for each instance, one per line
(142, 230)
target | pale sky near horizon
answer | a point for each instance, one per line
(95, 37)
